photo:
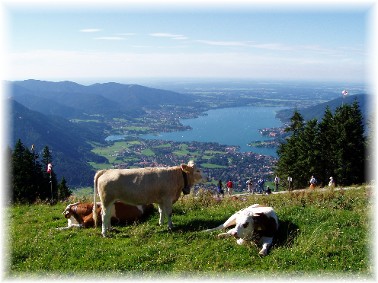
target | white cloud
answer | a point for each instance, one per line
(223, 43)
(90, 30)
(109, 38)
(299, 50)
(169, 35)
(163, 34)
(180, 37)
(126, 34)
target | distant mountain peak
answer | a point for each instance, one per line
(107, 99)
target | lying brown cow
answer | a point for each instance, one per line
(81, 214)
(160, 185)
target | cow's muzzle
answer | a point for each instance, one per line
(235, 234)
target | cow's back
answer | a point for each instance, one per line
(140, 186)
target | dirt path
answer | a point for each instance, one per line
(308, 190)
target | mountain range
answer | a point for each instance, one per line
(317, 111)
(72, 100)
(67, 141)
(41, 112)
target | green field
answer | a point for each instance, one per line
(323, 234)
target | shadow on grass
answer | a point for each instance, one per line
(287, 232)
(196, 225)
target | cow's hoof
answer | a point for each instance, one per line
(263, 252)
(241, 242)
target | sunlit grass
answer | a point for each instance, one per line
(322, 233)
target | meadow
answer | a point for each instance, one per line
(323, 234)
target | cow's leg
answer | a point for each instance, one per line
(169, 215)
(161, 214)
(165, 209)
(227, 234)
(229, 222)
(266, 242)
(106, 215)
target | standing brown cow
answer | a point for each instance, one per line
(160, 185)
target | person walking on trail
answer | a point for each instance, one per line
(220, 190)
(276, 183)
(229, 186)
(312, 182)
(289, 182)
(260, 184)
(331, 183)
(249, 186)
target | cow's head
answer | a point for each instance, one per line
(244, 227)
(68, 210)
(248, 223)
(194, 172)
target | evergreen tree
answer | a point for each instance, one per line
(334, 147)
(29, 179)
(63, 191)
(296, 124)
(25, 174)
(327, 147)
(288, 152)
(308, 152)
(350, 145)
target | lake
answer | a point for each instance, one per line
(228, 126)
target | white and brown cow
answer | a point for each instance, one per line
(81, 214)
(252, 223)
(160, 185)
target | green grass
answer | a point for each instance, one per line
(166, 145)
(322, 235)
(148, 152)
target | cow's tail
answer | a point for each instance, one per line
(95, 192)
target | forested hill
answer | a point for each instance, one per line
(68, 141)
(41, 112)
(72, 100)
(317, 111)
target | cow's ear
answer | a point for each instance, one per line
(185, 168)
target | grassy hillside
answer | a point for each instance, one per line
(322, 234)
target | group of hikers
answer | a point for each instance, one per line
(313, 182)
(260, 188)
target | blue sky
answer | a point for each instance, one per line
(100, 42)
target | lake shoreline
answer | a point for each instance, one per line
(235, 126)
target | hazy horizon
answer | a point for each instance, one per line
(249, 41)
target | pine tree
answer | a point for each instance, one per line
(327, 147)
(288, 152)
(334, 147)
(25, 174)
(63, 191)
(296, 124)
(308, 152)
(29, 179)
(350, 145)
